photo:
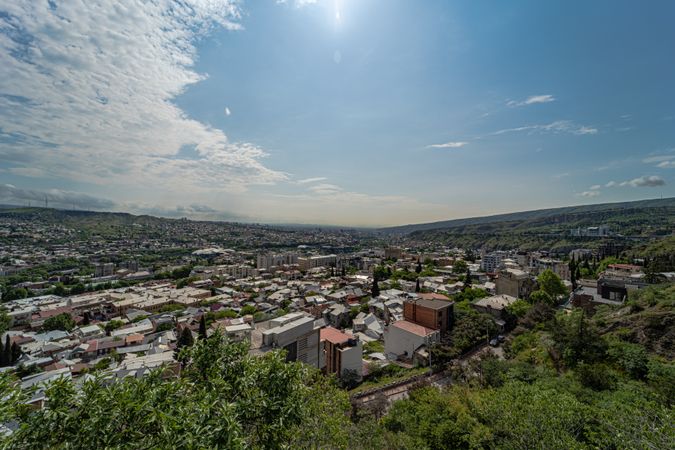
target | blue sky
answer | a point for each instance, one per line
(394, 112)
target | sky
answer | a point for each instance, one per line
(344, 112)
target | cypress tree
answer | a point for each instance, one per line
(418, 269)
(417, 286)
(202, 327)
(186, 339)
(375, 290)
(7, 352)
(16, 353)
(2, 355)
(467, 280)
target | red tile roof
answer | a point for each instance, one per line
(334, 336)
(414, 328)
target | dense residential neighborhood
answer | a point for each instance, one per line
(118, 308)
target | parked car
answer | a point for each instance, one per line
(501, 338)
(494, 342)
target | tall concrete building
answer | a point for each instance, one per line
(295, 333)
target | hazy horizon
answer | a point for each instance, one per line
(363, 113)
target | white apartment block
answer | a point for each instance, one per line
(276, 260)
(295, 333)
(313, 262)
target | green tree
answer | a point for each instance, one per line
(202, 327)
(224, 398)
(248, 310)
(113, 325)
(459, 267)
(467, 280)
(79, 288)
(7, 352)
(61, 321)
(375, 289)
(551, 284)
(4, 321)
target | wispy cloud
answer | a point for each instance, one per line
(589, 194)
(227, 111)
(448, 145)
(325, 188)
(662, 161)
(91, 87)
(559, 126)
(644, 181)
(532, 100)
(311, 180)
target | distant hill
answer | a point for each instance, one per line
(570, 214)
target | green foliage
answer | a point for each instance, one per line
(470, 295)
(61, 321)
(551, 289)
(577, 339)
(248, 310)
(373, 347)
(112, 325)
(224, 399)
(459, 267)
(4, 321)
(519, 308)
(166, 326)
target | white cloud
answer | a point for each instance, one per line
(532, 100)
(645, 181)
(448, 145)
(311, 180)
(589, 194)
(611, 184)
(595, 187)
(227, 111)
(559, 126)
(91, 87)
(662, 161)
(325, 188)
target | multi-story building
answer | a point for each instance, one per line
(341, 352)
(558, 267)
(433, 311)
(313, 262)
(104, 270)
(491, 262)
(297, 334)
(393, 253)
(276, 260)
(514, 282)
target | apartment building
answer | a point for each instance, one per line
(433, 311)
(295, 333)
(514, 282)
(276, 260)
(341, 352)
(313, 262)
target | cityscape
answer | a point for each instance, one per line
(391, 247)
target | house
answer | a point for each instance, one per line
(496, 307)
(336, 315)
(404, 339)
(341, 352)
